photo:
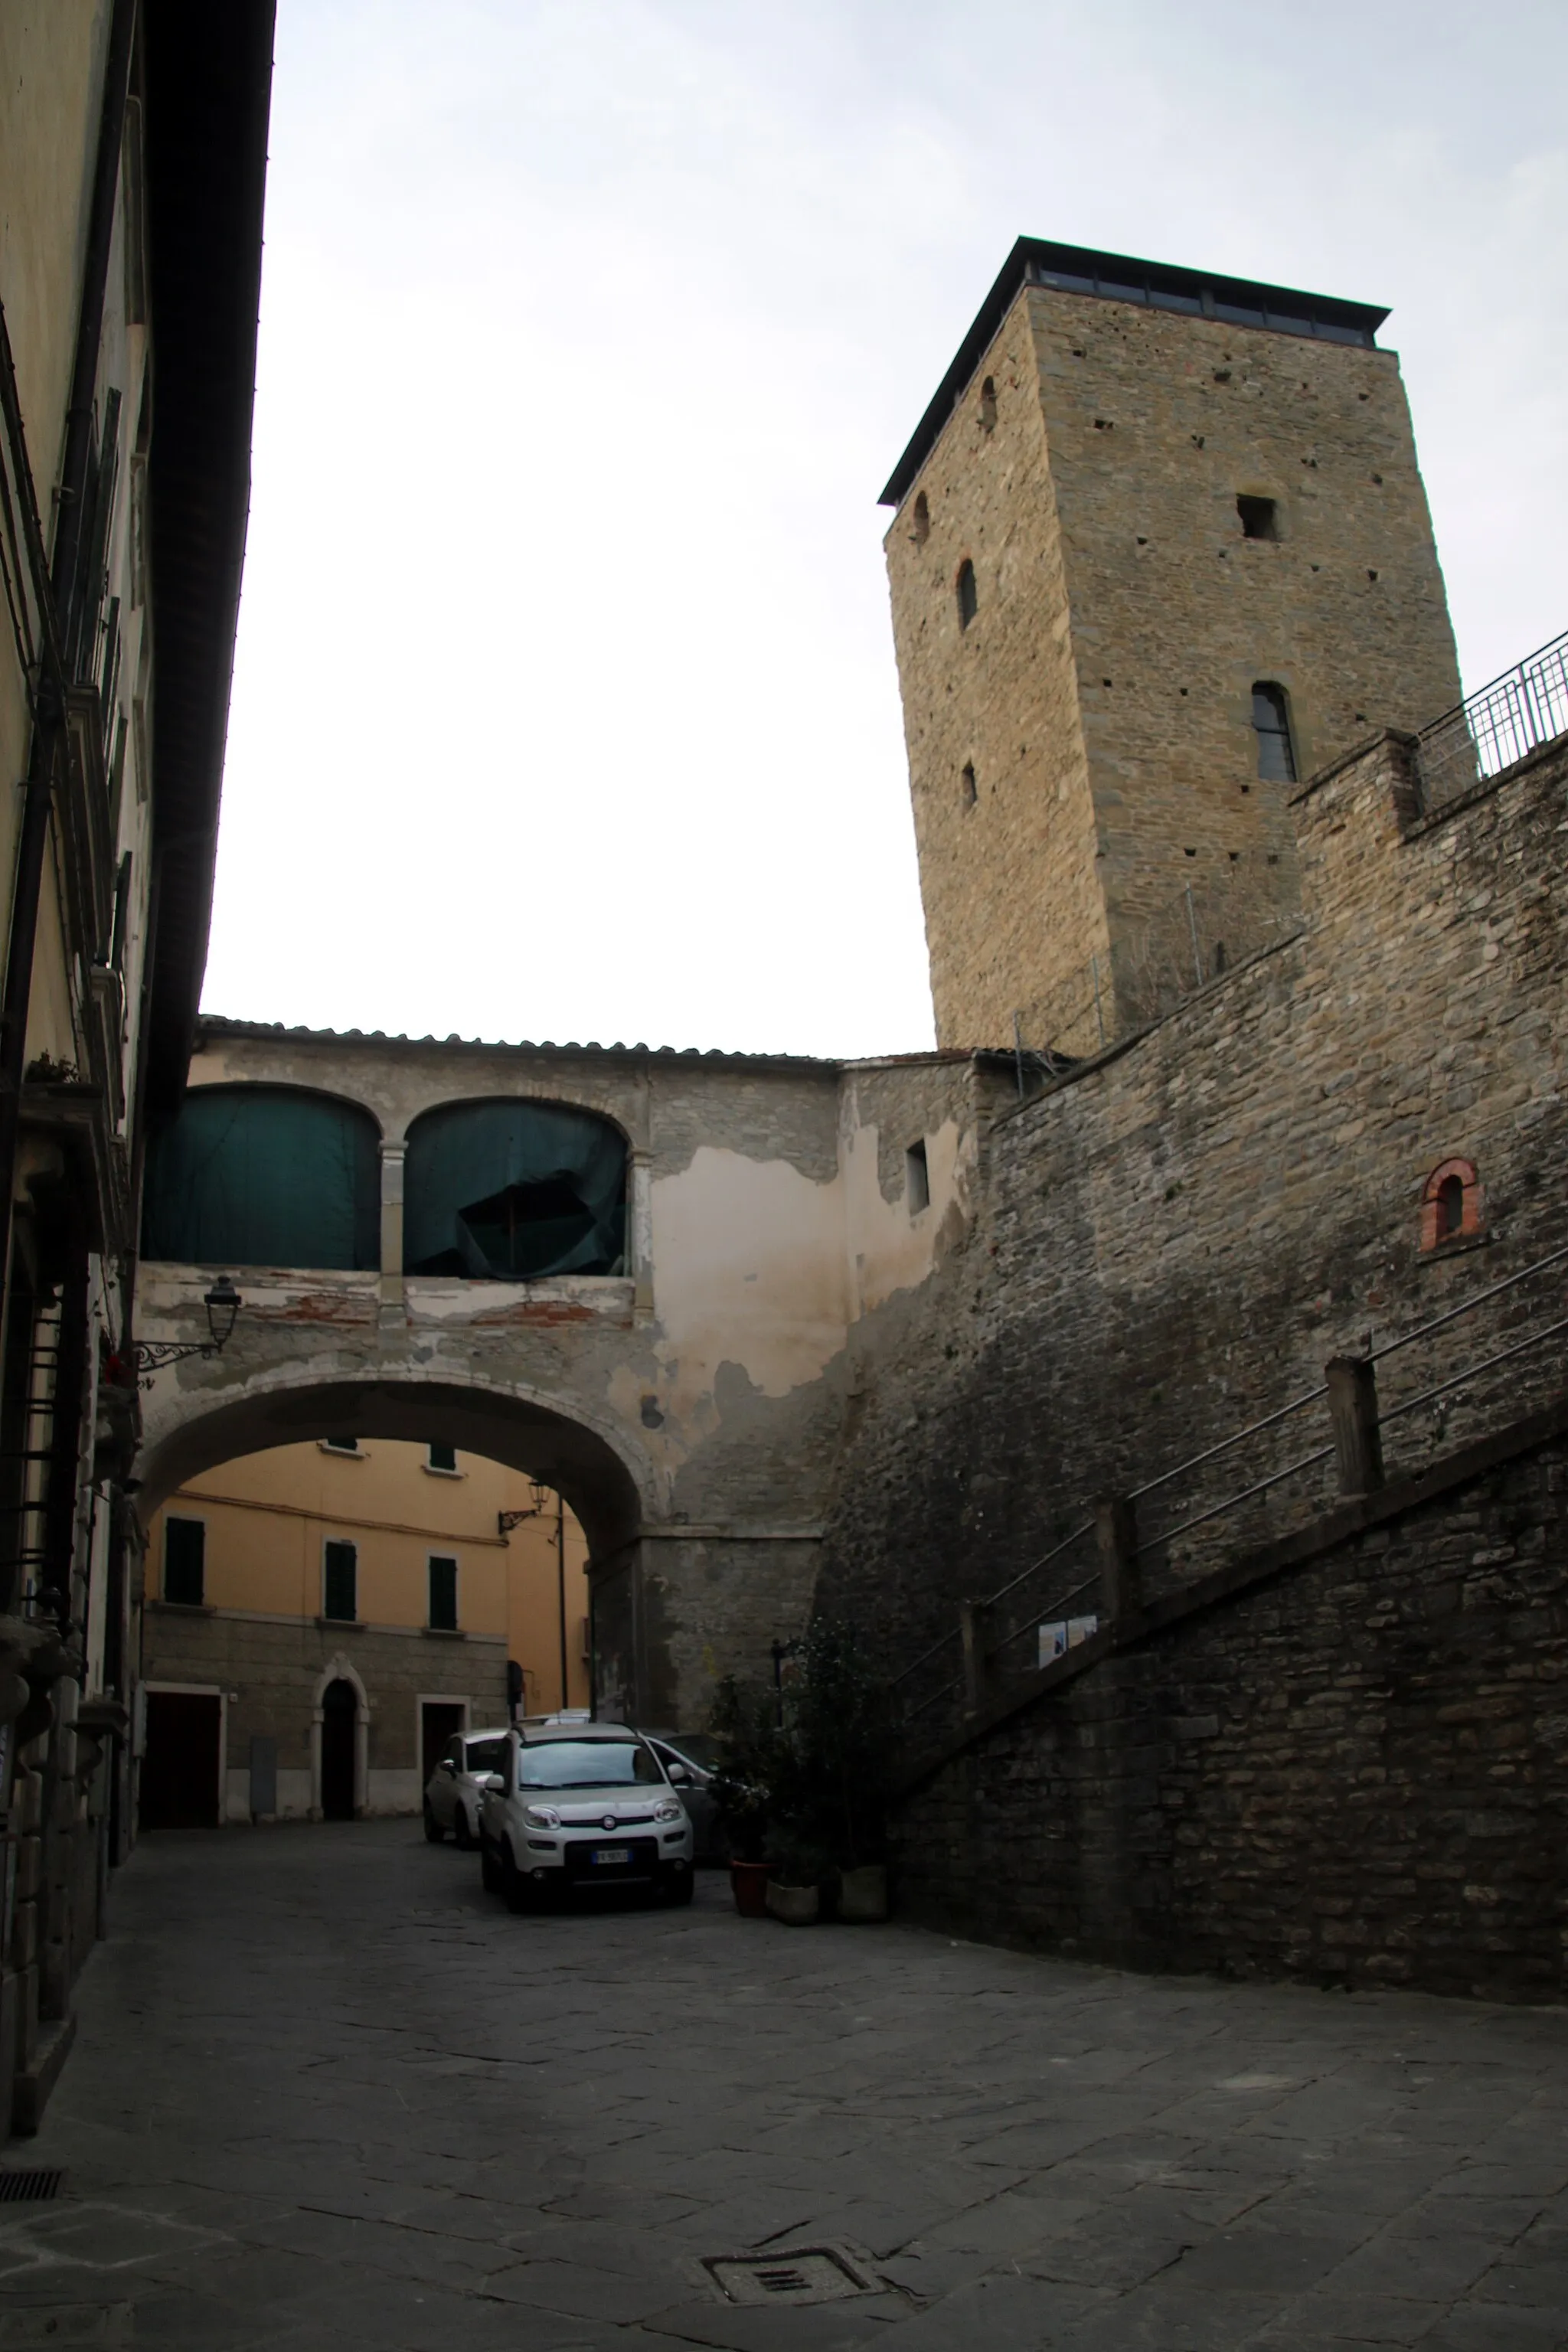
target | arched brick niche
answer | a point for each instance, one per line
(1450, 1205)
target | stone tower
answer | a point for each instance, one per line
(1162, 550)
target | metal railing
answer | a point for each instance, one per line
(1486, 732)
(983, 1650)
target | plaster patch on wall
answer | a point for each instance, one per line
(889, 1249)
(748, 1266)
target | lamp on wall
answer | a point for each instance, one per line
(222, 1303)
(506, 1520)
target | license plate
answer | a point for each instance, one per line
(611, 1856)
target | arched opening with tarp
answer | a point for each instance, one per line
(514, 1191)
(260, 1175)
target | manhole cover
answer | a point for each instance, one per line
(30, 2187)
(801, 2274)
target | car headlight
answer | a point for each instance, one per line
(669, 1808)
(541, 1817)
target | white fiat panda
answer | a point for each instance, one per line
(575, 1808)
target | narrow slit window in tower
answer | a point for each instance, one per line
(967, 785)
(917, 1178)
(1271, 723)
(968, 600)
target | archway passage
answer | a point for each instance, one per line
(340, 1723)
(361, 1603)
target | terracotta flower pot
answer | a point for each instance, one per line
(749, 1884)
(863, 1893)
(797, 1907)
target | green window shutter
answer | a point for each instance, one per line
(444, 1595)
(184, 1561)
(340, 1598)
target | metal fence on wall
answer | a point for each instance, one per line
(1512, 716)
(1444, 1382)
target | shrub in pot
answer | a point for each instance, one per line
(840, 1730)
(743, 1721)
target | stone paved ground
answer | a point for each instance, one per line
(328, 2094)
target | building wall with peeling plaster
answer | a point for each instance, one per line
(692, 1409)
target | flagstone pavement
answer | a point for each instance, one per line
(327, 2094)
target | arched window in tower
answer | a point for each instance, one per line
(1450, 1205)
(988, 405)
(1272, 724)
(968, 599)
(920, 526)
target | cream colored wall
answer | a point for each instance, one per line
(534, 1605)
(268, 1516)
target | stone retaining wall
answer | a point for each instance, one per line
(1353, 1770)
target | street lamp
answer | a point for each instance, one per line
(222, 1303)
(507, 1520)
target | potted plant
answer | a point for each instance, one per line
(841, 1728)
(743, 1721)
(797, 1877)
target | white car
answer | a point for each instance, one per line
(455, 1791)
(576, 1808)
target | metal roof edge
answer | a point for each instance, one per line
(1031, 254)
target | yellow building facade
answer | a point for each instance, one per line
(321, 1618)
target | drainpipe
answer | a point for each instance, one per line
(49, 720)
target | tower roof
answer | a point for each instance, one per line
(1115, 277)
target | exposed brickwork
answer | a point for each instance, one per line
(1102, 691)
(1352, 1774)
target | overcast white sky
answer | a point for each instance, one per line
(565, 704)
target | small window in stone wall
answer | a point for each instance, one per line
(1451, 1204)
(917, 1178)
(968, 595)
(1259, 518)
(967, 788)
(919, 526)
(988, 405)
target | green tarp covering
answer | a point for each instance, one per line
(264, 1176)
(508, 1191)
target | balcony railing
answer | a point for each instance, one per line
(1517, 713)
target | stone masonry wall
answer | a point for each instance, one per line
(1172, 1243)
(1354, 1772)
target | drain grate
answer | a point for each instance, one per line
(799, 2274)
(30, 2187)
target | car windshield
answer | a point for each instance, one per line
(585, 1764)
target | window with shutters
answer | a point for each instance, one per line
(184, 1561)
(340, 1582)
(443, 1618)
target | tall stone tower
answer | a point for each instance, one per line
(1162, 550)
